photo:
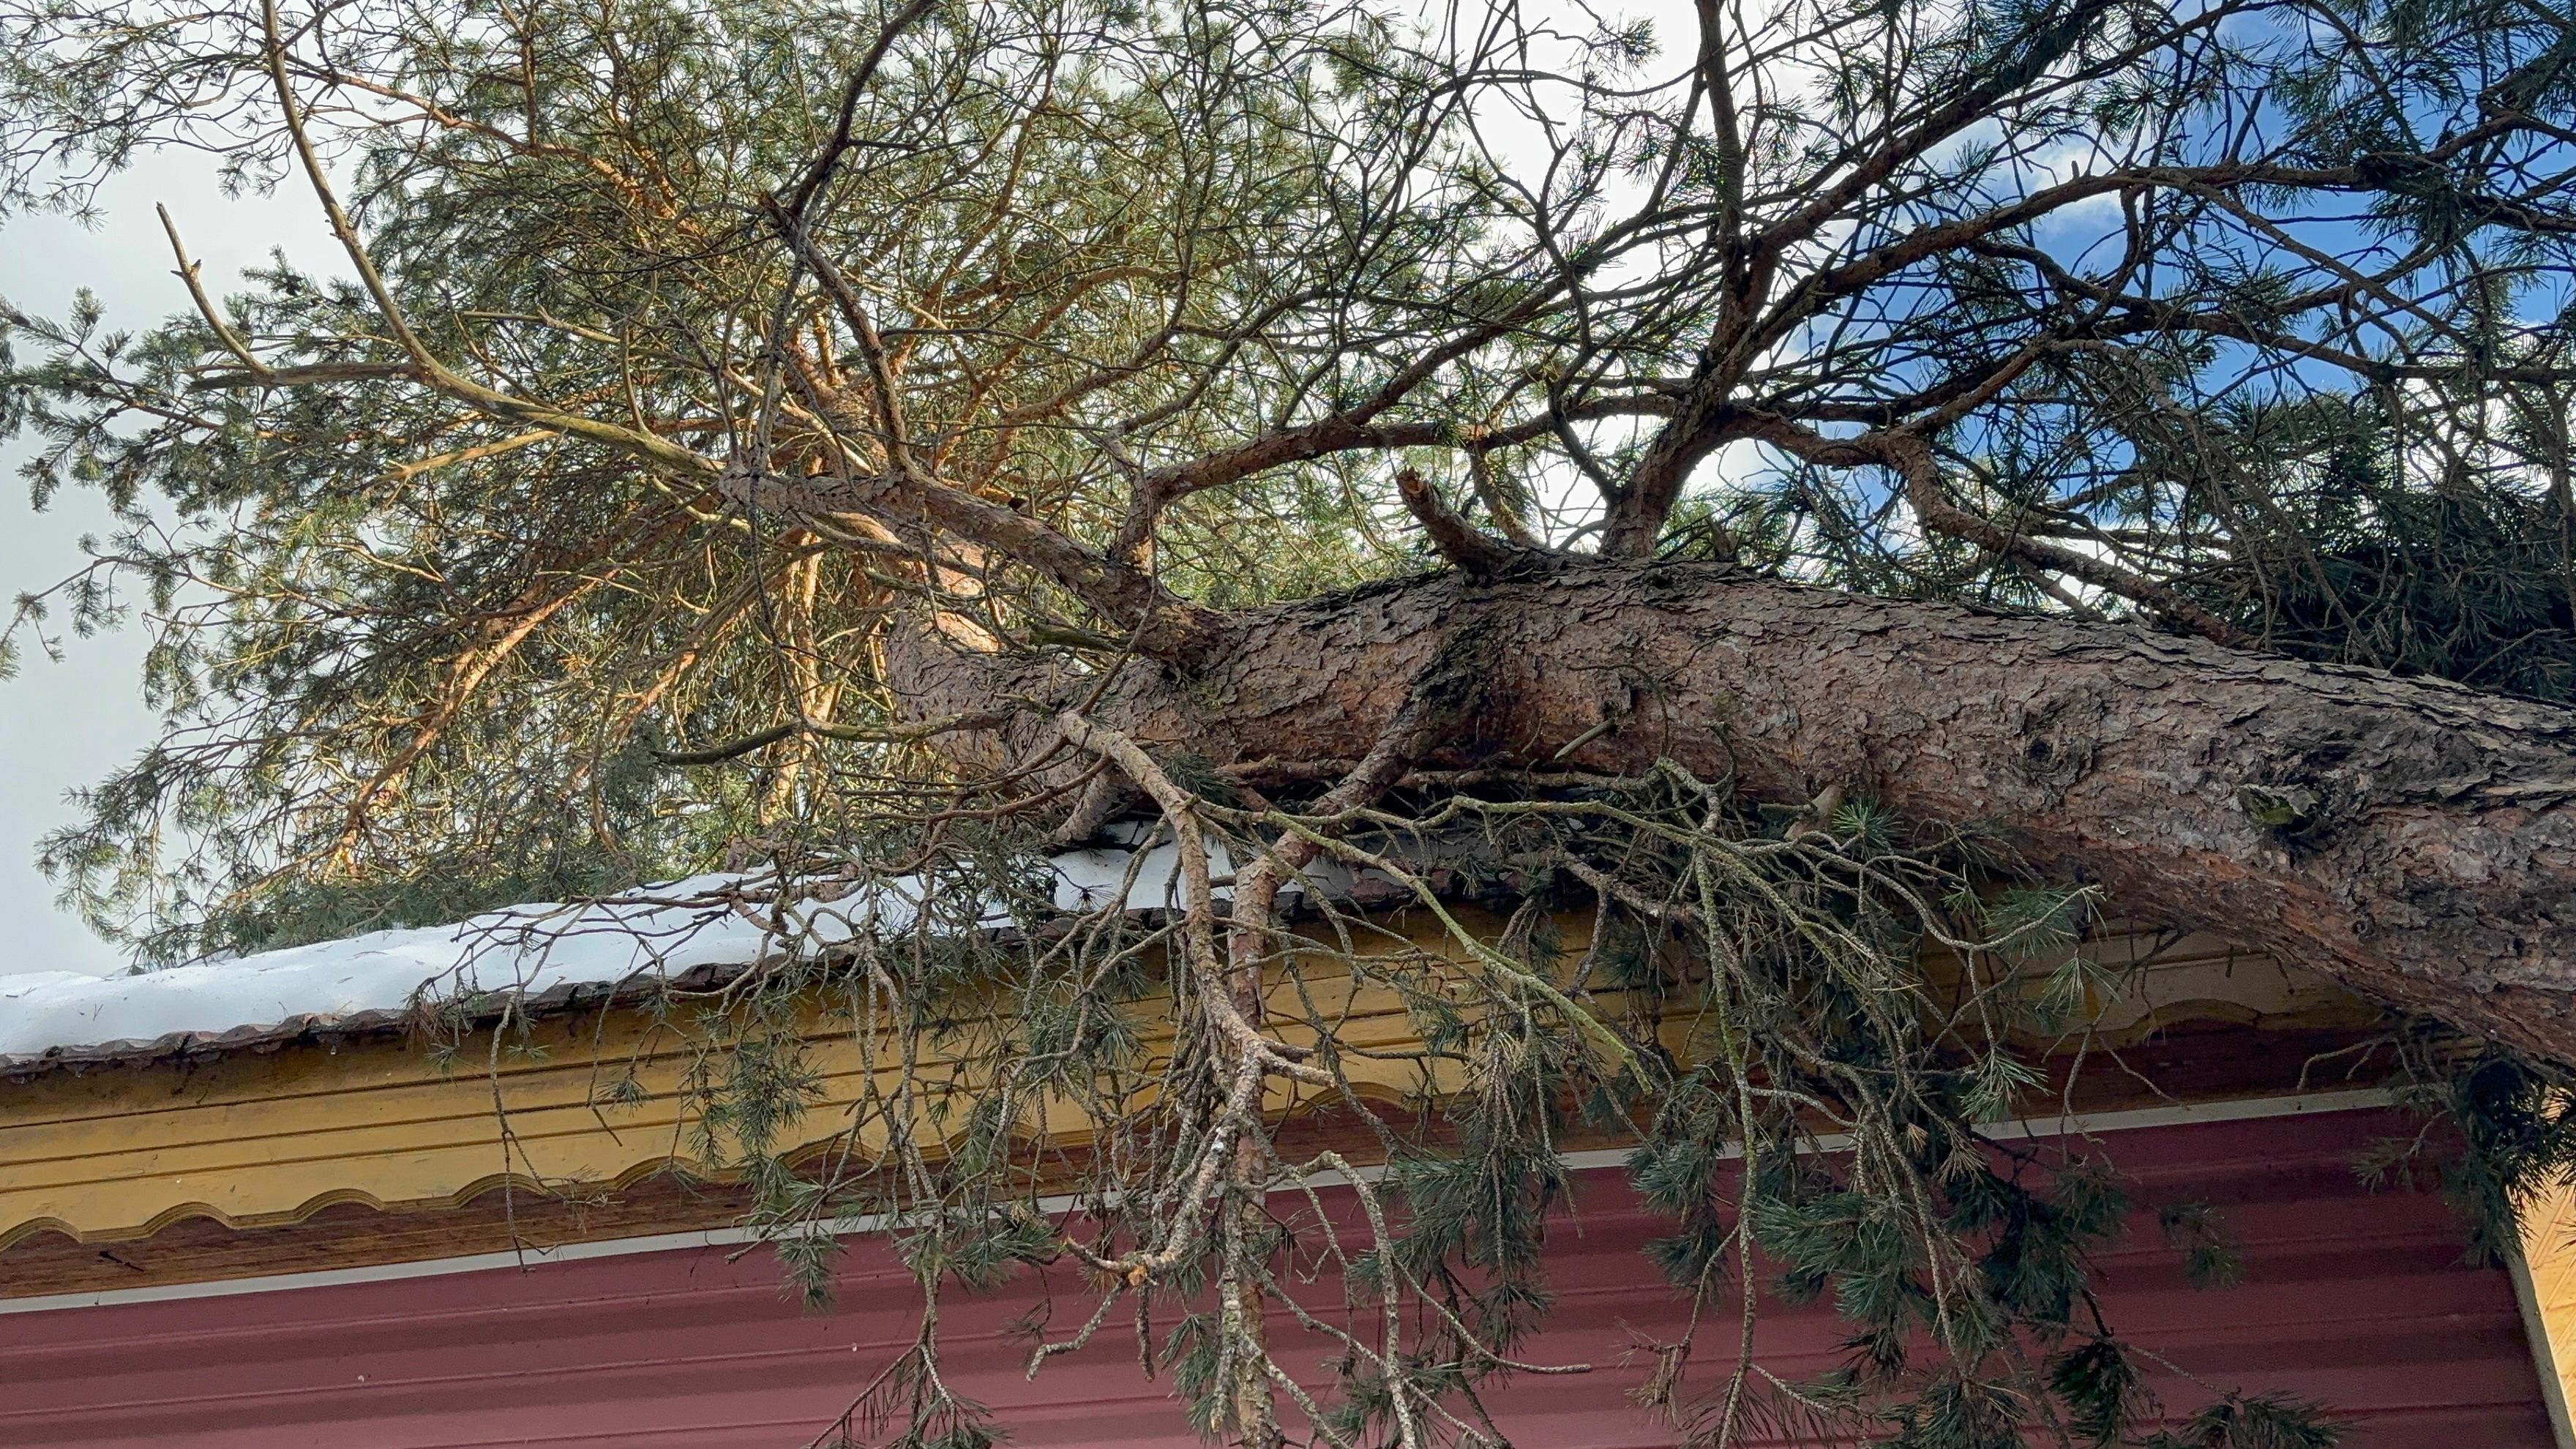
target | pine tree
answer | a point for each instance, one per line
(1795, 483)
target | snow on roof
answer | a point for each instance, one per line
(538, 955)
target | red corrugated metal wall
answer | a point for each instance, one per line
(2354, 1299)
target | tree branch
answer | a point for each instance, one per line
(858, 734)
(1910, 457)
(1462, 543)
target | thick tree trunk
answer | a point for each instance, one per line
(2413, 839)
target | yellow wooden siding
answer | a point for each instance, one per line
(2141, 981)
(2548, 1283)
(253, 1139)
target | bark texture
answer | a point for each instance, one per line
(2413, 839)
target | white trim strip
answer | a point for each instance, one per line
(2237, 1111)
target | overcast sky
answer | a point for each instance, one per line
(66, 724)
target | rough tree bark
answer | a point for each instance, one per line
(2413, 839)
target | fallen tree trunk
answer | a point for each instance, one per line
(2413, 839)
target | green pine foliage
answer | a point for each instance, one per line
(696, 359)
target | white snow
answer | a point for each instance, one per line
(660, 931)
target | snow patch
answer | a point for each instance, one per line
(659, 932)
